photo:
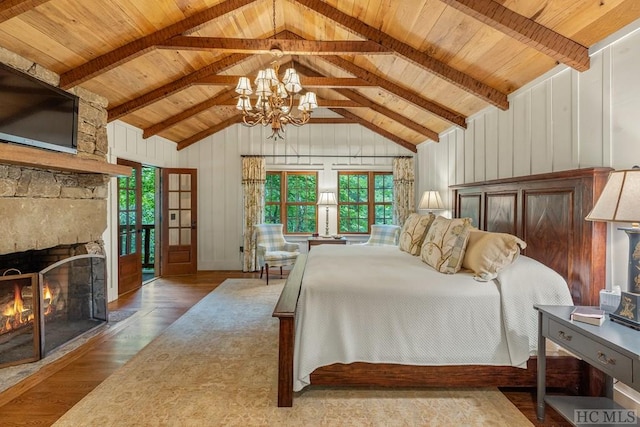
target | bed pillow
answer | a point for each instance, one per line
(413, 232)
(488, 253)
(445, 243)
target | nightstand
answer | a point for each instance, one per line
(314, 241)
(611, 348)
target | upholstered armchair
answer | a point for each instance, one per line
(383, 235)
(272, 249)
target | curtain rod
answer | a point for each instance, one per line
(326, 155)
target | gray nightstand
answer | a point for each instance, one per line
(611, 348)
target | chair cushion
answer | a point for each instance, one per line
(273, 257)
(445, 244)
(414, 230)
(384, 235)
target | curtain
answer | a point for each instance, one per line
(403, 193)
(253, 177)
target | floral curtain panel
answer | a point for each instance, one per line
(253, 177)
(404, 195)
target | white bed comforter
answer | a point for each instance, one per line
(378, 304)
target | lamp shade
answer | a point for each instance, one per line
(430, 201)
(327, 198)
(620, 199)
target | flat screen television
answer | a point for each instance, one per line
(35, 113)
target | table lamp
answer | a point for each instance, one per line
(620, 202)
(430, 201)
(327, 198)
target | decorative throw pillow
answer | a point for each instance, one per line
(445, 243)
(413, 232)
(488, 253)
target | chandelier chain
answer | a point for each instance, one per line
(274, 19)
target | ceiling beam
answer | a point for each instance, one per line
(525, 30)
(323, 103)
(12, 8)
(364, 101)
(139, 47)
(421, 59)
(306, 82)
(205, 133)
(430, 106)
(262, 46)
(174, 87)
(219, 99)
(393, 137)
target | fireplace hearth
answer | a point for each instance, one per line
(41, 311)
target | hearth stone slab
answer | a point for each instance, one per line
(44, 223)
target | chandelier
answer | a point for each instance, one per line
(275, 99)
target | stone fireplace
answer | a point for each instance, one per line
(54, 206)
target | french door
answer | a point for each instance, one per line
(179, 240)
(129, 228)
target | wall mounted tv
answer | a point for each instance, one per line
(35, 113)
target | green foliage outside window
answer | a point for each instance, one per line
(360, 205)
(298, 212)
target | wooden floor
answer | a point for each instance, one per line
(158, 305)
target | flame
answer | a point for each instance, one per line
(15, 310)
(47, 297)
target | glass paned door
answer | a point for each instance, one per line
(179, 245)
(129, 228)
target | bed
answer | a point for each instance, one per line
(547, 211)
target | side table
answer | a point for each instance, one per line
(611, 348)
(314, 241)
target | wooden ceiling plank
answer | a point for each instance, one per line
(136, 48)
(306, 82)
(220, 99)
(324, 103)
(175, 86)
(205, 133)
(421, 59)
(349, 115)
(12, 8)
(525, 30)
(364, 101)
(443, 112)
(262, 46)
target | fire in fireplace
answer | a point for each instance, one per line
(41, 311)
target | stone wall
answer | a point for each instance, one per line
(42, 208)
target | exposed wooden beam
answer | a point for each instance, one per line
(525, 30)
(205, 133)
(189, 112)
(437, 109)
(175, 86)
(332, 121)
(139, 47)
(421, 59)
(349, 115)
(364, 101)
(306, 82)
(260, 46)
(12, 8)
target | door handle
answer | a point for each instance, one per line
(194, 225)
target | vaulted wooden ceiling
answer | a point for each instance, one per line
(407, 69)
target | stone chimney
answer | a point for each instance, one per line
(42, 208)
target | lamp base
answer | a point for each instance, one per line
(634, 258)
(628, 313)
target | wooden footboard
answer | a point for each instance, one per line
(285, 311)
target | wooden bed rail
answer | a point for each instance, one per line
(285, 311)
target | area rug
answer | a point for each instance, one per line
(217, 366)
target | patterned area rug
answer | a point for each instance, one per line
(217, 365)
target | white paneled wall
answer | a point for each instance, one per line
(126, 142)
(218, 160)
(564, 120)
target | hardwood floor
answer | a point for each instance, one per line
(158, 305)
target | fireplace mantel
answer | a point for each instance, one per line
(32, 157)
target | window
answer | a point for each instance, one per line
(364, 198)
(290, 199)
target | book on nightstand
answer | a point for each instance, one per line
(590, 315)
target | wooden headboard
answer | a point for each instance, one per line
(547, 211)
